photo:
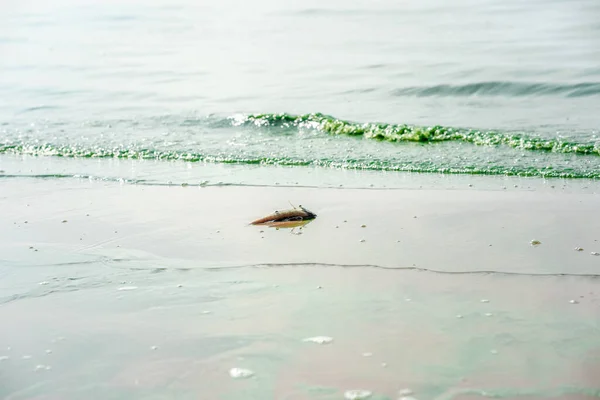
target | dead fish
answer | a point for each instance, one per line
(295, 214)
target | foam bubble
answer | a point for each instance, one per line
(240, 373)
(128, 288)
(357, 394)
(319, 339)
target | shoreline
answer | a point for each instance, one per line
(138, 290)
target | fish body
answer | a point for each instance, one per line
(296, 214)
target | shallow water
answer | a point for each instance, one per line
(178, 334)
(169, 81)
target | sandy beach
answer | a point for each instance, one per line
(140, 291)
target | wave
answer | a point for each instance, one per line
(409, 133)
(375, 165)
(502, 88)
(575, 159)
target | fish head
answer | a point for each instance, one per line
(309, 213)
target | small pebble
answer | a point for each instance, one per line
(319, 287)
(64, 221)
(362, 240)
(154, 347)
(240, 373)
(337, 226)
(573, 302)
(578, 249)
(485, 301)
(180, 285)
(357, 394)
(319, 339)
(459, 316)
(48, 351)
(535, 242)
(363, 226)
(595, 253)
(405, 392)
(44, 283)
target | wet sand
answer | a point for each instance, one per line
(124, 291)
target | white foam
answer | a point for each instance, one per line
(128, 288)
(240, 373)
(357, 394)
(319, 339)
(405, 392)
